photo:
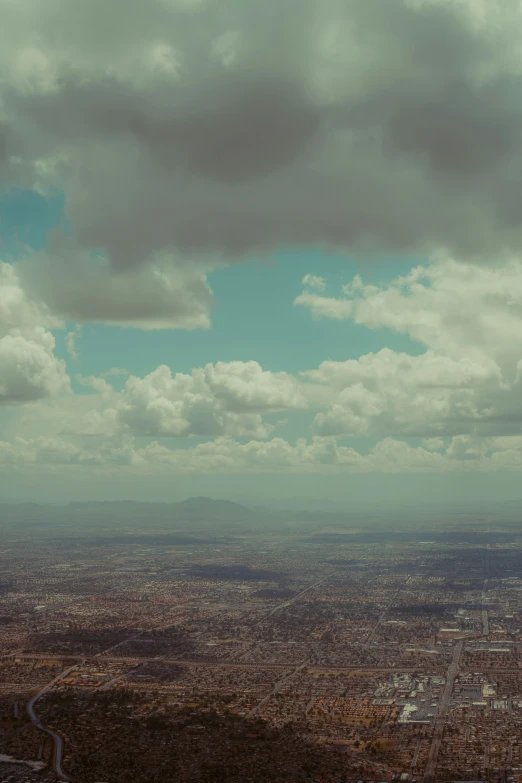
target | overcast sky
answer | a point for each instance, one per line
(260, 247)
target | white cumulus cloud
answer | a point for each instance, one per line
(29, 370)
(222, 399)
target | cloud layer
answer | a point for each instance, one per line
(186, 135)
(224, 128)
(456, 401)
(226, 455)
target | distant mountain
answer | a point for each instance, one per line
(194, 511)
(207, 509)
(301, 504)
(197, 509)
(201, 513)
(212, 516)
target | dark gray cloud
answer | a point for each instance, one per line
(162, 294)
(232, 127)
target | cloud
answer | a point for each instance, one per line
(245, 386)
(17, 309)
(391, 393)
(89, 417)
(456, 309)
(460, 396)
(99, 384)
(54, 453)
(124, 456)
(467, 448)
(433, 444)
(203, 128)
(315, 282)
(226, 454)
(325, 306)
(84, 288)
(222, 399)
(29, 370)
(468, 381)
(383, 394)
(70, 344)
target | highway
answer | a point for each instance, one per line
(381, 617)
(57, 740)
(307, 589)
(438, 732)
(485, 617)
(225, 664)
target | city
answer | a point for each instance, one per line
(359, 654)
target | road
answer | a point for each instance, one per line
(310, 587)
(116, 679)
(485, 619)
(381, 617)
(416, 754)
(228, 665)
(277, 688)
(57, 740)
(438, 732)
(485, 616)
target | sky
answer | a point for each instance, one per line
(261, 250)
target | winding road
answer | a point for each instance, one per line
(57, 740)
